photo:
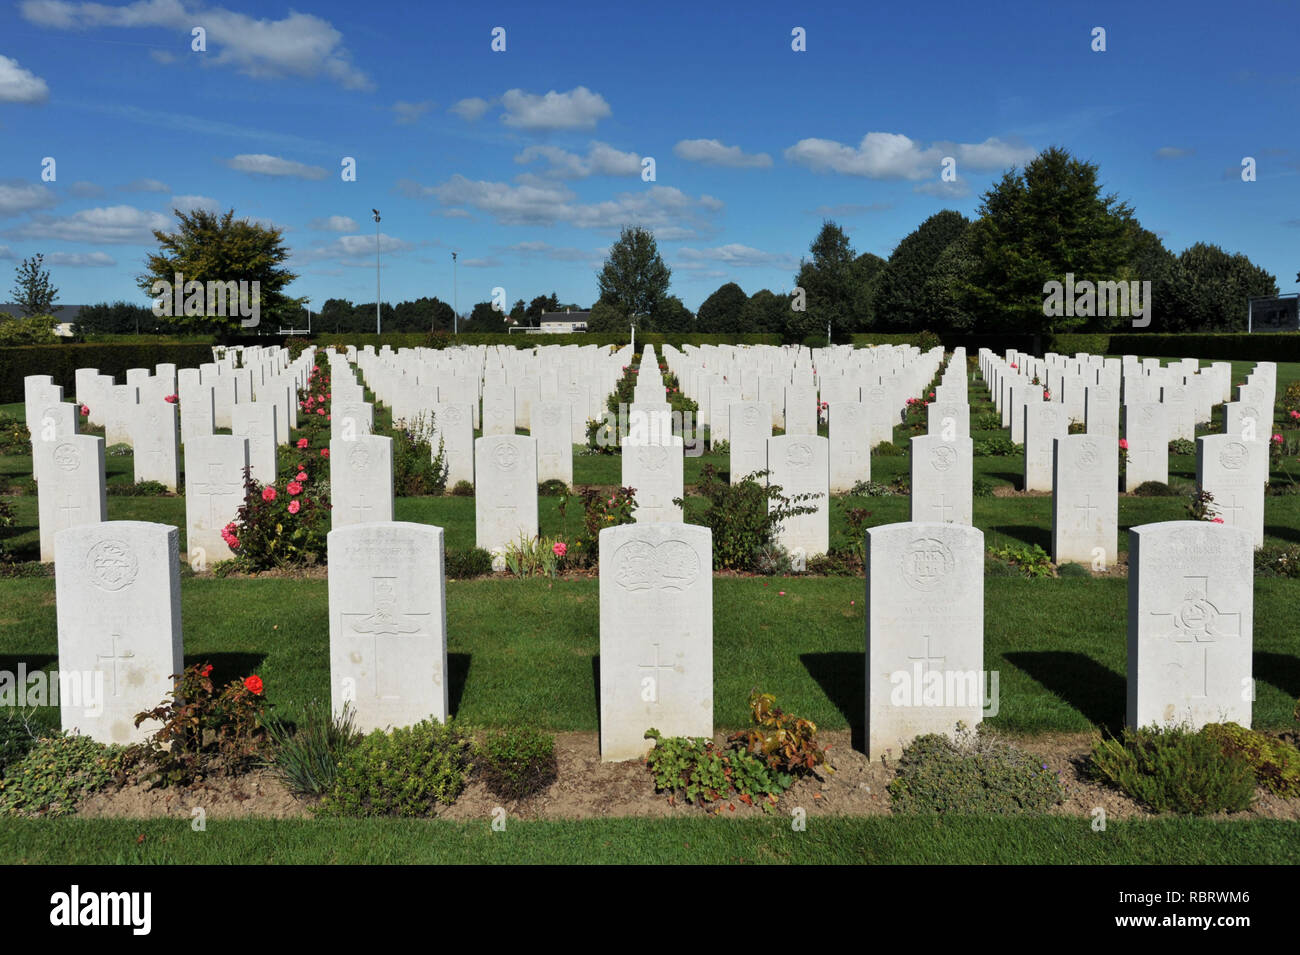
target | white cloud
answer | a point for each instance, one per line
(260, 164)
(146, 185)
(714, 153)
(81, 259)
(851, 209)
(109, 225)
(956, 189)
(334, 224)
(6, 253)
(18, 85)
(470, 108)
(579, 108)
(1173, 152)
(189, 204)
(736, 255)
(352, 249)
(538, 249)
(298, 45)
(895, 156)
(85, 190)
(658, 208)
(407, 114)
(164, 57)
(601, 160)
(451, 213)
(17, 197)
(491, 262)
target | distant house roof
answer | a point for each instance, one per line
(64, 313)
(566, 318)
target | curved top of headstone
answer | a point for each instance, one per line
(386, 529)
(658, 557)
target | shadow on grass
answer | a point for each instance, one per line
(30, 661)
(1282, 670)
(1016, 480)
(1025, 533)
(227, 666)
(1289, 534)
(842, 677)
(1096, 691)
(457, 676)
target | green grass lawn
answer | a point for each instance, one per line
(895, 840)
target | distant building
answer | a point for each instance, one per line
(66, 315)
(558, 323)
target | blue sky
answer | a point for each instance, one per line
(528, 161)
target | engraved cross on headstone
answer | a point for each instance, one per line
(384, 620)
(1088, 508)
(215, 487)
(653, 668)
(945, 509)
(114, 656)
(1199, 622)
(925, 659)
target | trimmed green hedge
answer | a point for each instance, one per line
(61, 362)
(524, 340)
(1226, 346)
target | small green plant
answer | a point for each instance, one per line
(1200, 507)
(16, 739)
(1154, 489)
(1071, 569)
(468, 562)
(409, 771)
(788, 743)
(981, 487)
(598, 513)
(1278, 560)
(745, 516)
(139, 489)
(1173, 769)
(14, 436)
(1182, 446)
(887, 449)
(986, 421)
(702, 773)
(996, 446)
(57, 773)
(1030, 559)
(417, 470)
(602, 437)
(1275, 762)
(118, 451)
(463, 489)
(307, 756)
(534, 557)
(971, 774)
(871, 489)
(204, 730)
(518, 762)
(552, 488)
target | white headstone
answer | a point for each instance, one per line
(388, 624)
(505, 498)
(1234, 471)
(799, 464)
(942, 477)
(1085, 506)
(656, 472)
(214, 493)
(850, 445)
(71, 491)
(656, 635)
(361, 480)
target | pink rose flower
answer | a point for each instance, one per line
(294, 488)
(268, 494)
(84, 410)
(302, 476)
(559, 550)
(324, 452)
(302, 442)
(1277, 438)
(1218, 520)
(1123, 443)
(294, 507)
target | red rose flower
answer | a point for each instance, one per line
(253, 684)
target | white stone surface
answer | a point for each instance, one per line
(850, 445)
(656, 635)
(214, 493)
(657, 473)
(1190, 624)
(156, 444)
(505, 498)
(550, 425)
(1146, 429)
(388, 624)
(1085, 505)
(924, 632)
(942, 476)
(118, 601)
(1234, 471)
(71, 491)
(800, 464)
(751, 426)
(256, 421)
(361, 480)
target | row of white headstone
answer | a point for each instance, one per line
(1189, 628)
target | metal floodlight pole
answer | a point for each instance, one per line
(455, 299)
(376, 212)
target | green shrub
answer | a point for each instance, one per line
(887, 449)
(598, 513)
(62, 360)
(464, 563)
(1174, 770)
(417, 470)
(552, 488)
(56, 773)
(981, 487)
(33, 330)
(139, 489)
(986, 421)
(999, 568)
(1277, 560)
(1182, 446)
(700, 772)
(276, 527)
(15, 740)
(14, 436)
(1030, 559)
(745, 516)
(872, 489)
(1154, 489)
(996, 446)
(118, 451)
(463, 489)
(406, 772)
(1275, 762)
(307, 756)
(971, 775)
(517, 763)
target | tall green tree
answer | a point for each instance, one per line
(209, 248)
(33, 292)
(898, 303)
(867, 269)
(1212, 288)
(767, 312)
(827, 280)
(634, 278)
(606, 317)
(943, 296)
(539, 305)
(725, 311)
(1035, 226)
(671, 315)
